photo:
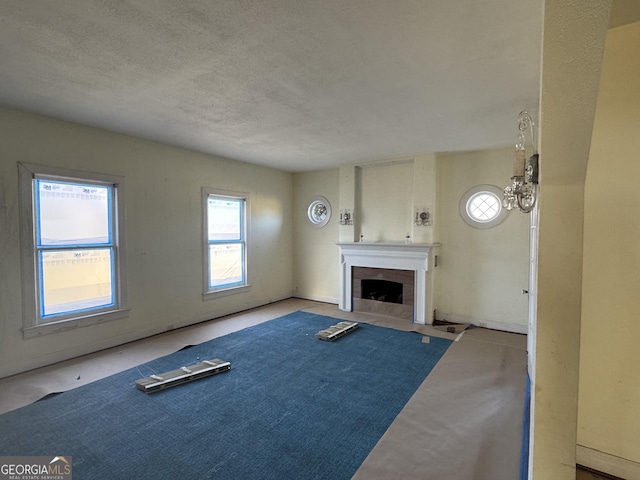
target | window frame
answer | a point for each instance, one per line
(34, 323)
(235, 288)
(474, 192)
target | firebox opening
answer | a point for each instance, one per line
(381, 290)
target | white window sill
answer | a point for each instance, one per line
(223, 292)
(66, 325)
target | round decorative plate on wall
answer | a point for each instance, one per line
(319, 211)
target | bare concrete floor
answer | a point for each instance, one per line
(464, 422)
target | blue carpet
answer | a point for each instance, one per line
(291, 407)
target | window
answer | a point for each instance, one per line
(481, 207)
(73, 260)
(225, 220)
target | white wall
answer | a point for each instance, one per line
(609, 395)
(315, 253)
(481, 272)
(573, 43)
(384, 192)
(386, 211)
(383, 196)
(164, 233)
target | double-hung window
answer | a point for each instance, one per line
(225, 227)
(73, 249)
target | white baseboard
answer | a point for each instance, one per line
(80, 350)
(504, 326)
(607, 463)
(317, 298)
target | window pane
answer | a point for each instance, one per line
(224, 218)
(72, 214)
(484, 207)
(74, 280)
(226, 266)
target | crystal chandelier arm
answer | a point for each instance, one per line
(524, 120)
(527, 200)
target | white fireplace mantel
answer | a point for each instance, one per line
(400, 256)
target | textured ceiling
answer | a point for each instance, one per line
(294, 84)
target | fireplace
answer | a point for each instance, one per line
(371, 272)
(383, 290)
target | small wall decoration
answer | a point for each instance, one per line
(319, 211)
